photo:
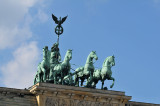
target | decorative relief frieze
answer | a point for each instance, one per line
(56, 102)
(58, 95)
(52, 101)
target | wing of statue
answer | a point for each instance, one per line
(64, 18)
(55, 19)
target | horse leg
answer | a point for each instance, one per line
(55, 78)
(62, 79)
(111, 78)
(82, 80)
(95, 83)
(47, 74)
(44, 77)
(51, 75)
(102, 84)
(38, 78)
(89, 83)
(91, 76)
(44, 74)
(102, 80)
(76, 80)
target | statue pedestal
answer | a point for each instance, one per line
(59, 95)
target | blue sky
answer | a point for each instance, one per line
(129, 29)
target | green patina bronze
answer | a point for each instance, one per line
(55, 59)
(62, 69)
(86, 72)
(43, 68)
(104, 73)
(59, 28)
(53, 70)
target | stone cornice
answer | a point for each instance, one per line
(20, 92)
(79, 93)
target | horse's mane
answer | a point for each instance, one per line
(106, 59)
(69, 50)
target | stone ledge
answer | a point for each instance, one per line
(48, 86)
(16, 97)
(5, 91)
(74, 95)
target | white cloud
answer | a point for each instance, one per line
(42, 16)
(15, 22)
(10, 37)
(13, 12)
(20, 71)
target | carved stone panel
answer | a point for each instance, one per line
(53, 101)
(56, 102)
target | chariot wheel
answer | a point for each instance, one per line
(59, 30)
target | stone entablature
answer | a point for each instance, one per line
(16, 97)
(60, 95)
(45, 94)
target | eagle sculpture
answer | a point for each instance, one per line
(60, 21)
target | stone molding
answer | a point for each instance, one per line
(19, 92)
(45, 94)
(16, 97)
(59, 94)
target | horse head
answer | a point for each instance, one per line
(45, 52)
(68, 55)
(109, 61)
(112, 60)
(94, 55)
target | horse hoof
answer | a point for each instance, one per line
(105, 88)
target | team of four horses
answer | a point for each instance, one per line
(53, 71)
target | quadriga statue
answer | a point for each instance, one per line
(62, 69)
(43, 67)
(85, 72)
(104, 73)
(55, 59)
